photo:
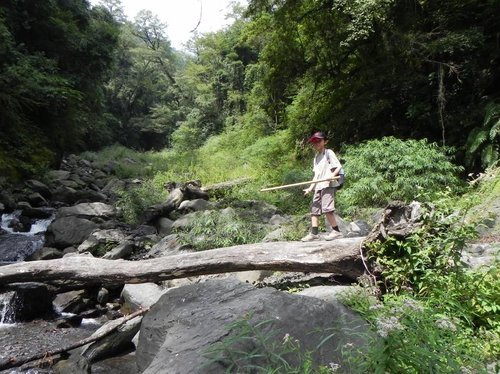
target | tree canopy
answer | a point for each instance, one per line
(75, 77)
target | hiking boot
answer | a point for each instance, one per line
(310, 238)
(333, 235)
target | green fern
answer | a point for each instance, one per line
(483, 142)
(489, 155)
(477, 137)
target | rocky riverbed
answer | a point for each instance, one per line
(79, 206)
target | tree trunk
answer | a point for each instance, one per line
(341, 256)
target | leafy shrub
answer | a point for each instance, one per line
(477, 304)
(428, 265)
(431, 251)
(413, 338)
(134, 202)
(379, 171)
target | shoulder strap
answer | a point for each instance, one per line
(341, 172)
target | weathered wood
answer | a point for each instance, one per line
(172, 202)
(178, 193)
(397, 220)
(341, 256)
(46, 356)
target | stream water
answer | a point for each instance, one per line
(24, 339)
(16, 246)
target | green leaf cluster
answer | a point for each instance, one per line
(378, 171)
(415, 338)
(432, 251)
(483, 142)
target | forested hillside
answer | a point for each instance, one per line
(139, 151)
(75, 77)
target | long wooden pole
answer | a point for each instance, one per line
(298, 184)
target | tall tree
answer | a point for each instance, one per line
(56, 55)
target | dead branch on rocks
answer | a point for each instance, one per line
(47, 356)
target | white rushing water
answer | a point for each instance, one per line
(38, 226)
(7, 311)
(11, 240)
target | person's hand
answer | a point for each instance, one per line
(307, 190)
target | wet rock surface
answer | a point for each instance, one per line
(24, 340)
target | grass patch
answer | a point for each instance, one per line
(216, 229)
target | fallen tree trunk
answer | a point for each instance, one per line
(177, 195)
(340, 256)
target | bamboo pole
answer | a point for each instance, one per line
(298, 184)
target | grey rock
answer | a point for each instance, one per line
(45, 253)
(122, 250)
(101, 240)
(194, 205)
(178, 330)
(68, 231)
(37, 200)
(103, 296)
(277, 220)
(39, 187)
(113, 343)
(33, 300)
(71, 302)
(184, 221)
(164, 226)
(275, 235)
(136, 296)
(337, 293)
(167, 246)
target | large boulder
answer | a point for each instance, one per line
(39, 187)
(18, 247)
(187, 321)
(68, 231)
(101, 241)
(113, 343)
(88, 211)
(31, 301)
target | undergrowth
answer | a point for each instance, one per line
(216, 229)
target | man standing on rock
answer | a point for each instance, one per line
(325, 165)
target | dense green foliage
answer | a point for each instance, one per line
(414, 338)
(75, 77)
(392, 82)
(388, 169)
(54, 59)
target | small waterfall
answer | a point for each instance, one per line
(38, 226)
(7, 308)
(16, 246)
